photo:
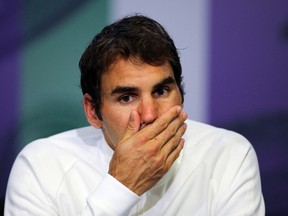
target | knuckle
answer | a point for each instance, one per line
(172, 130)
(161, 123)
(158, 161)
(175, 140)
(164, 169)
(143, 138)
(153, 150)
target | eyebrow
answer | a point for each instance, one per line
(123, 89)
(166, 81)
(127, 89)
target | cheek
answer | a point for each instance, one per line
(119, 117)
(115, 123)
(177, 99)
(173, 100)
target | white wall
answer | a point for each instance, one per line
(187, 23)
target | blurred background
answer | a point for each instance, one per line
(235, 64)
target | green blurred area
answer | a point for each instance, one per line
(51, 99)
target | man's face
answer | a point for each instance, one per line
(128, 86)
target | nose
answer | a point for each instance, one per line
(148, 111)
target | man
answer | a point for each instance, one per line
(133, 160)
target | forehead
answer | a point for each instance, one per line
(134, 73)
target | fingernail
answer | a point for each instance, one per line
(179, 109)
(185, 116)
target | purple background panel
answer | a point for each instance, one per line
(249, 67)
(249, 85)
(9, 87)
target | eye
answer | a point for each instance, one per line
(126, 98)
(161, 91)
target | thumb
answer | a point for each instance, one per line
(133, 125)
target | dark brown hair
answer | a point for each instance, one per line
(133, 37)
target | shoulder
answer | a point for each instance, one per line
(58, 153)
(210, 135)
(221, 154)
(210, 144)
(46, 161)
(227, 162)
(65, 143)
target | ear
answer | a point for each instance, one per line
(89, 109)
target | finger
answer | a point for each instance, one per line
(171, 150)
(174, 141)
(174, 131)
(133, 125)
(162, 163)
(174, 154)
(161, 123)
(160, 150)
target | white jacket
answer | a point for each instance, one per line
(67, 174)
